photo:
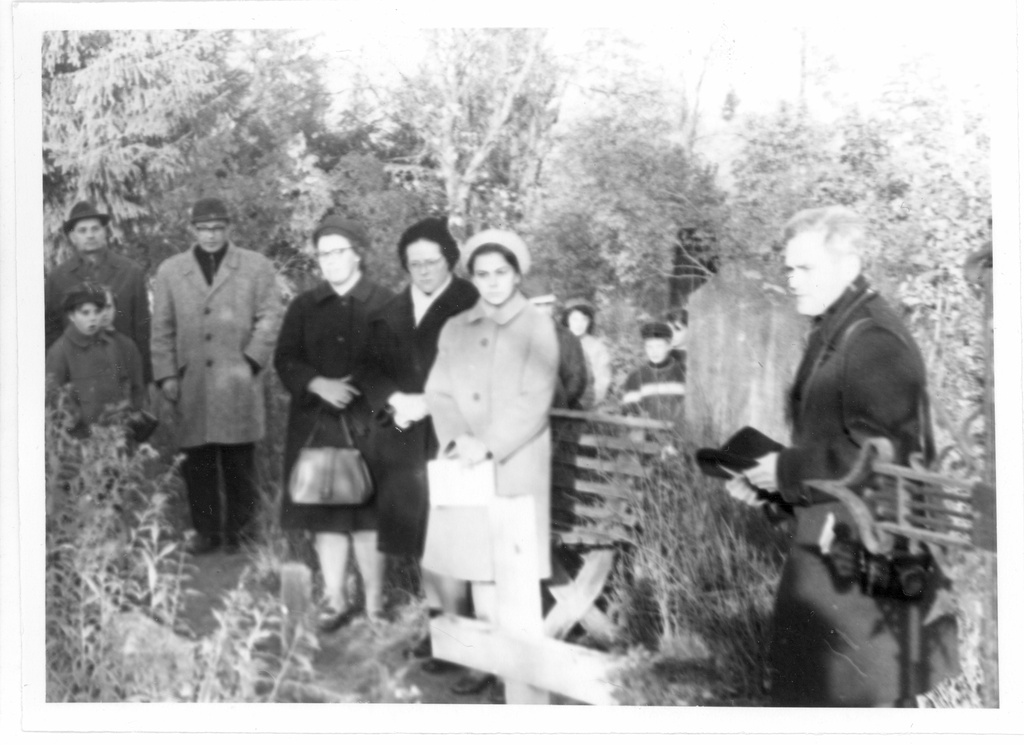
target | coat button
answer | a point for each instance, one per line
(483, 342)
(209, 363)
(476, 396)
(209, 336)
(206, 311)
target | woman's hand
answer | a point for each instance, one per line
(338, 392)
(408, 408)
(469, 450)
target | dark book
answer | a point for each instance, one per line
(740, 452)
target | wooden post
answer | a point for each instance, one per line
(517, 580)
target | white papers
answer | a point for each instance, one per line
(455, 485)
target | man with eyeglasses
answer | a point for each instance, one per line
(216, 314)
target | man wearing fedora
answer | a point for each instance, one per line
(93, 261)
(216, 315)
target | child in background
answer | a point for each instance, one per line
(657, 389)
(102, 368)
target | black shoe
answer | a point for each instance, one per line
(201, 543)
(436, 666)
(330, 620)
(472, 683)
(497, 693)
(424, 650)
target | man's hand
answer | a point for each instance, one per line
(408, 408)
(170, 389)
(469, 450)
(741, 490)
(338, 392)
(763, 475)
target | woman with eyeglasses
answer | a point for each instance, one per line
(324, 341)
(489, 395)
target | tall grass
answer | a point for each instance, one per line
(697, 589)
(114, 589)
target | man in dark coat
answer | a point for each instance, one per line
(403, 346)
(861, 376)
(86, 228)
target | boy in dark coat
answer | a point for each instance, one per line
(101, 370)
(861, 376)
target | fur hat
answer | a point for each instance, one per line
(82, 293)
(505, 238)
(84, 211)
(209, 209)
(337, 225)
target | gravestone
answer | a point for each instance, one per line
(744, 343)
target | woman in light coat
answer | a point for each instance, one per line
(489, 394)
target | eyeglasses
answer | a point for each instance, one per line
(415, 266)
(211, 228)
(332, 254)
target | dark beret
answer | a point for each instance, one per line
(655, 330)
(82, 293)
(435, 230)
(337, 225)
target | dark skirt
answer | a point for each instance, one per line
(320, 518)
(399, 467)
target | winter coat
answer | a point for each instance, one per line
(657, 391)
(494, 378)
(127, 283)
(326, 335)
(599, 364)
(206, 335)
(400, 358)
(103, 371)
(832, 645)
(573, 374)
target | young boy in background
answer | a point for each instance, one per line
(657, 388)
(102, 367)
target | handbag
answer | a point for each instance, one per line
(330, 475)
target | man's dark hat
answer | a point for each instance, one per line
(337, 225)
(435, 230)
(739, 453)
(209, 209)
(84, 211)
(655, 330)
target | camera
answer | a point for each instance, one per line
(902, 576)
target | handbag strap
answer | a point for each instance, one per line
(343, 421)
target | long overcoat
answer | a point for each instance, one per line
(326, 334)
(204, 333)
(832, 645)
(494, 378)
(127, 283)
(402, 353)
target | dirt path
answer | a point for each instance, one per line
(358, 661)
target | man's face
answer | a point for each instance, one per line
(337, 257)
(211, 235)
(86, 318)
(88, 236)
(428, 269)
(817, 276)
(656, 350)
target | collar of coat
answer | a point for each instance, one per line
(502, 315)
(835, 314)
(79, 339)
(103, 257)
(231, 257)
(361, 291)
